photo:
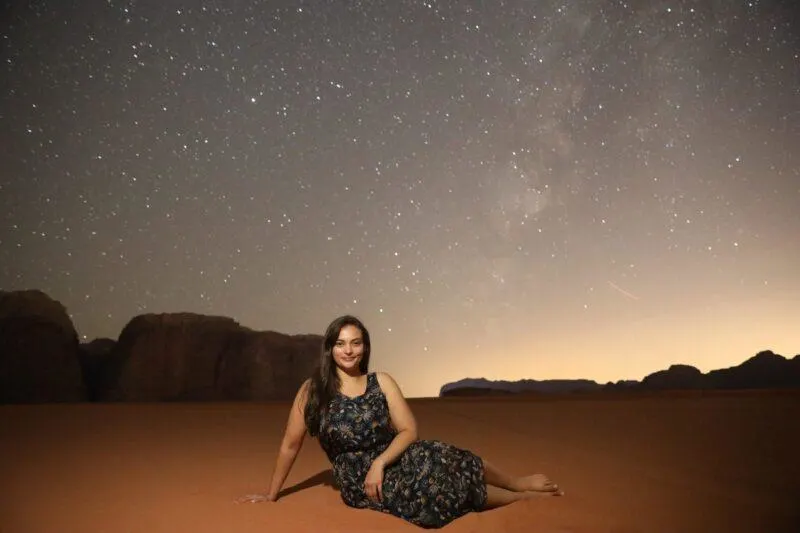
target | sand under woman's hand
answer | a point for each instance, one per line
(255, 498)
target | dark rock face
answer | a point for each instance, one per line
(765, 370)
(188, 357)
(622, 385)
(268, 365)
(676, 377)
(100, 368)
(167, 357)
(38, 350)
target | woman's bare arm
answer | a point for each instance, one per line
(292, 442)
(402, 420)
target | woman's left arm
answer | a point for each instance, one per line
(402, 420)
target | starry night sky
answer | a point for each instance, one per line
(507, 189)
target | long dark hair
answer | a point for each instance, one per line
(325, 381)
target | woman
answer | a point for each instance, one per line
(370, 436)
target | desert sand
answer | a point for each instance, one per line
(691, 462)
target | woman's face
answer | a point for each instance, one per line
(348, 349)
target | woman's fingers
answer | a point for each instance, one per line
(251, 498)
(373, 492)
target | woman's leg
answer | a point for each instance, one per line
(493, 476)
(498, 496)
(536, 482)
(502, 489)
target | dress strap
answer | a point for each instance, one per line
(372, 381)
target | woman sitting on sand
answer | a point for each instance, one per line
(369, 434)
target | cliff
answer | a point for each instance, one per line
(188, 357)
(38, 350)
(158, 357)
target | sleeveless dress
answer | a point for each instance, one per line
(429, 485)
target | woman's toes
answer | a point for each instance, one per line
(537, 482)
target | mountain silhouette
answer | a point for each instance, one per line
(765, 370)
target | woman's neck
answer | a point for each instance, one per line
(344, 377)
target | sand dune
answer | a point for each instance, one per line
(662, 463)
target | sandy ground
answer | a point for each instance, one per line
(679, 463)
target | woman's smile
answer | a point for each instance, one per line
(349, 347)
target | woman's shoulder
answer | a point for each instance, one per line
(302, 392)
(389, 387)
(384, 379)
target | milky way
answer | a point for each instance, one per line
(504, 189)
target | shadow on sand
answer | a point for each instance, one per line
(324, 477)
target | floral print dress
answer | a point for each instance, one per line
(430, 484)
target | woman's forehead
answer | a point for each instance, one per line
(349, 332)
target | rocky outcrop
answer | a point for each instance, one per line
(766, 370)
(676, 377)
(471, 386)
(622, 385)
(38, 350)
(166, 357)
(474, 391)
(189, 357)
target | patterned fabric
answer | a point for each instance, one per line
(430, 484)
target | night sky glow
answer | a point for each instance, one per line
(508, 189)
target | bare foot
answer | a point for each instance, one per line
(537, 483)
(539, 494)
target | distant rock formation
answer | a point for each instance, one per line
(190, 357)
(675, 377)
(476, 391)
(164, 357)
(38, 350)
(765, 370)
(485, 386)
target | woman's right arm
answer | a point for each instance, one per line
(292, 442)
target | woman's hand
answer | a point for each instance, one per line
(256, 498)
(373, 483)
